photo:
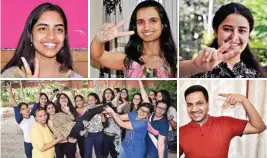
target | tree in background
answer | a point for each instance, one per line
(193, 30)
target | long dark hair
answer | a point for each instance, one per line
(43, 94)
(166, 97)
(104, 101)
(246, 56)
(46, 105)
(70, 105)
(95, 96)
(127, 98)
(141, 100)
(77, 96)
(26, 49)
(133, 49)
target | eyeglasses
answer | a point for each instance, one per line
(136, 98)
(161, 108)
(143, 111)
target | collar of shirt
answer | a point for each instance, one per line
(161, 120)
(209, 122)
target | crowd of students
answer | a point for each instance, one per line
(114, 125)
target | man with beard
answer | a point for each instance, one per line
(157, 144)
(209, 137)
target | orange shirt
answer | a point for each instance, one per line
(212, 140)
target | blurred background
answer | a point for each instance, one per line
(195, 30)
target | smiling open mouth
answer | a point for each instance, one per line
(148, 33)
(50, 45)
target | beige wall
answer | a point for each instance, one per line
(96, 14)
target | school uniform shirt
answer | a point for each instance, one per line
(41, 135)
(240, 70)
(25, 124)
(162, 126)
(210, 140)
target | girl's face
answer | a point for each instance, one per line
(51, 109)
(152, 95)
(43, 100)
(124, 94)
(115, 92)
(161, 108)
(108, 95)
(159, 96)
(234, 27)
(148, 24)
(79, 102)
(41, 117)
(25, 111)
(63, 100)
(48, 34)
(143, 113)
(92, 101)
(136, 99)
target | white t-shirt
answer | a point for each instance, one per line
(172, 111)
(26, 126)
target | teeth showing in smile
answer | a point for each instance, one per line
(234, 44)
(49, 44)
(148, 33)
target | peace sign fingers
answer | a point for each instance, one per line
(110, 31)
(28, 69)
(122, 22)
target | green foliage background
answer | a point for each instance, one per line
(194, 14)
(28, 94)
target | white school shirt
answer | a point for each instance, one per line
(26, 126)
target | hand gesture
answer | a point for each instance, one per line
(72, 140)
(83, 132)
(40, 87)
(59, 139)
(65, 109)
(108, 109)
(109, 31)
(86, 123)
(170, 117)
(208, 58)
(9, 88)
(28, 69)
(232, 99)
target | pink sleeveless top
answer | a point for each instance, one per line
(139, 71)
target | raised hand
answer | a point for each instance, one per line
(9, 88)
(66, 109)
(109, 31)
(170, 117)
(208, 58)
(28, 69)
(232, 99)
(108, 109)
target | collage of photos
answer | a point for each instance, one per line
(114, 79)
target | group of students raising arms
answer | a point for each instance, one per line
(150, 51)
(115, 126)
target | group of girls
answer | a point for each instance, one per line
(117, 128)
